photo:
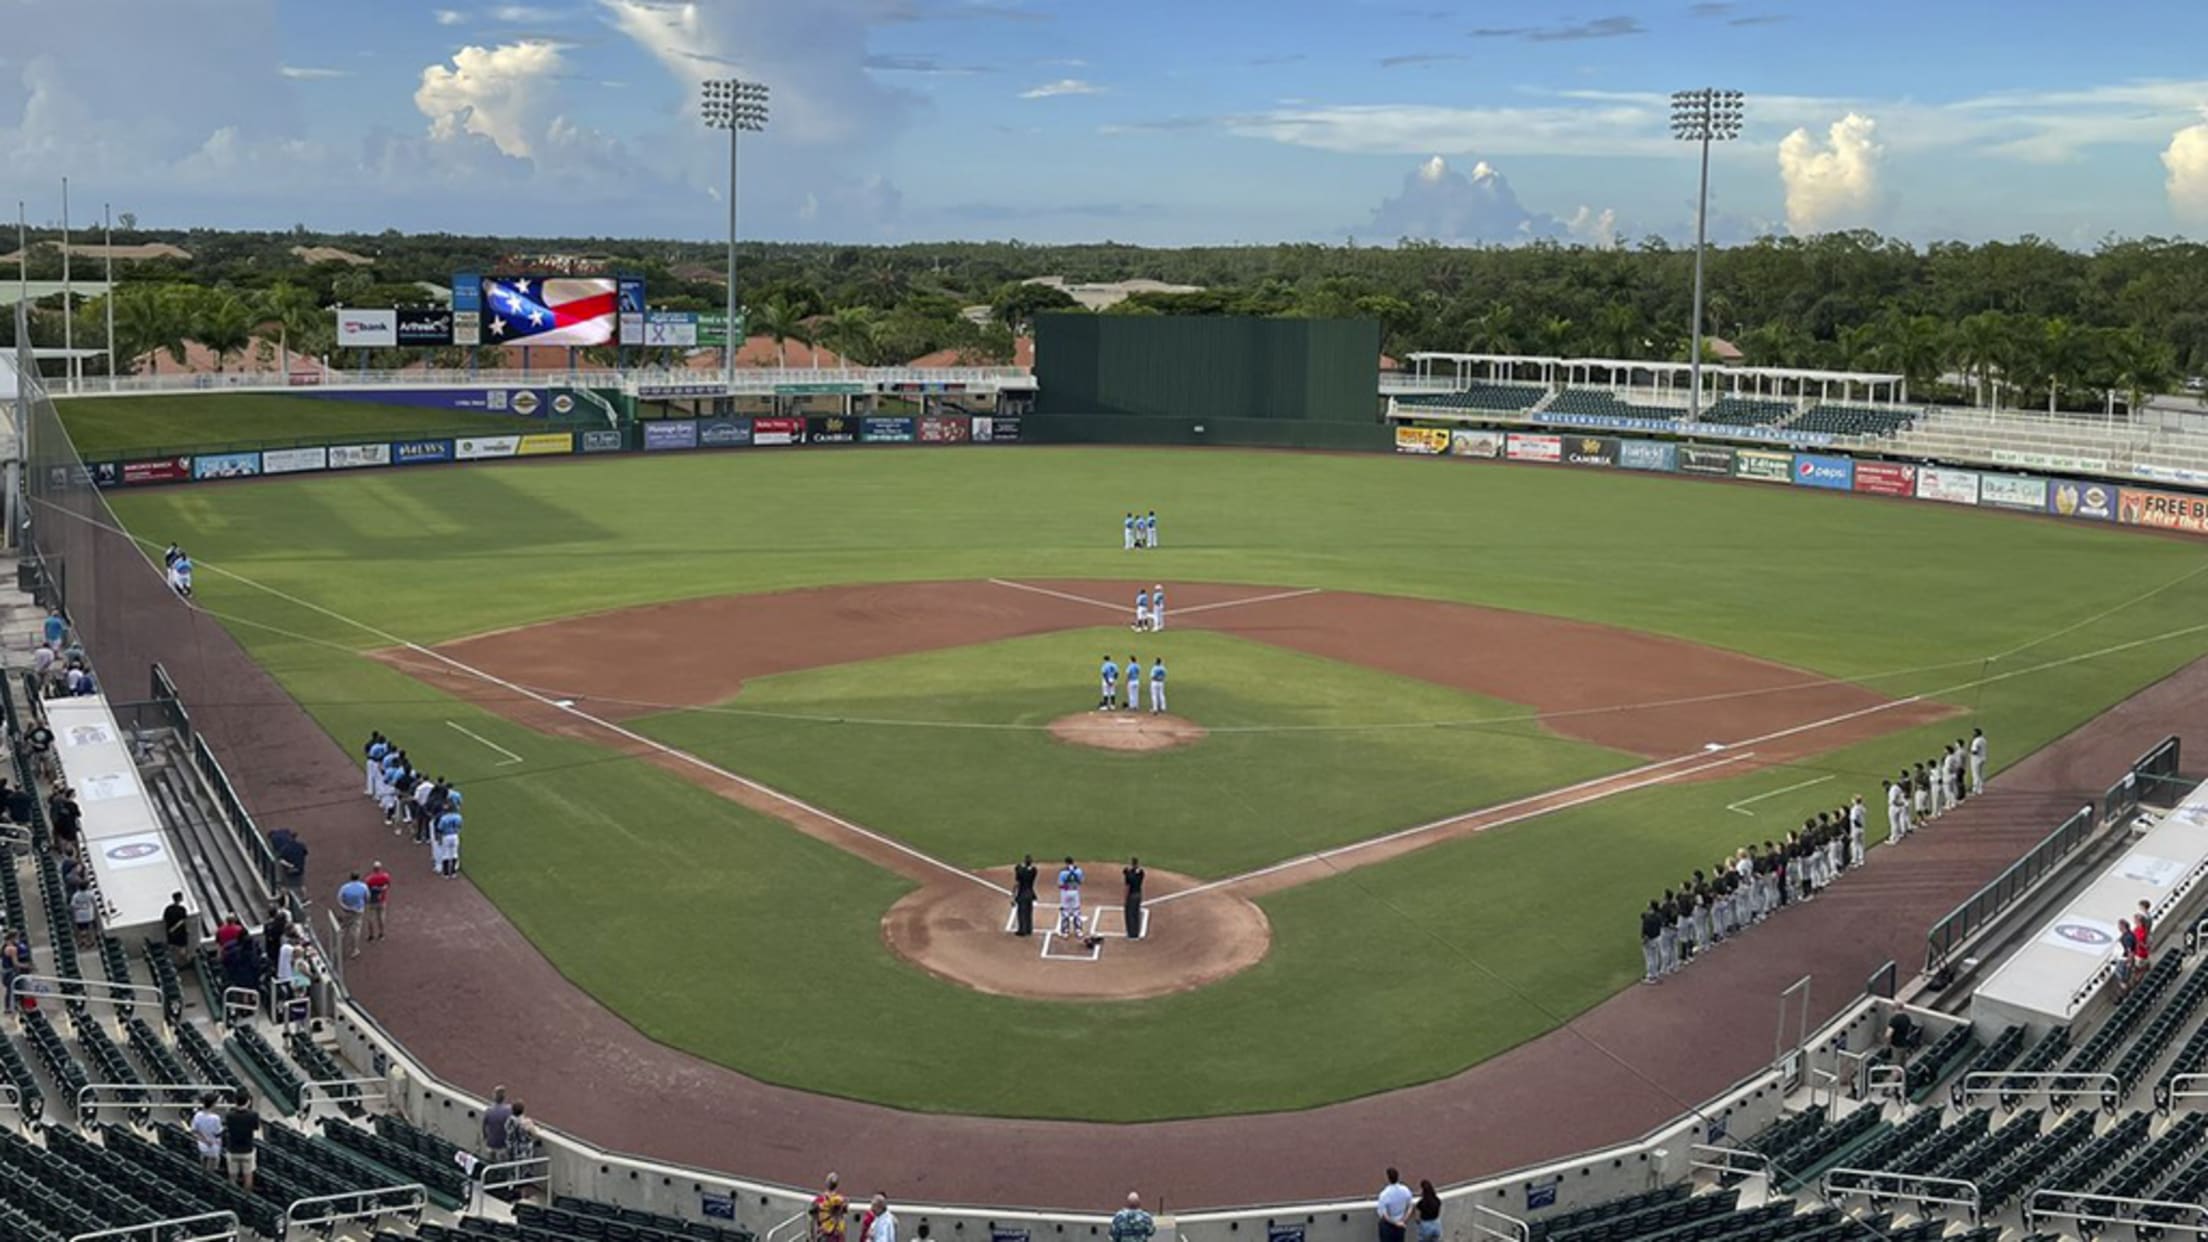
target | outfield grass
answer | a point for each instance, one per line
(981, 796)
(107, 428)
(685, 886)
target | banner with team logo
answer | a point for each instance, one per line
(2079, 499)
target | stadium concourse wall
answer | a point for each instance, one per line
(2075, 499)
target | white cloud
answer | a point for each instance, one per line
(305, 73)
(527, 14)
(493, 92)
(1833, 184)
(1063, 86)
(1594, 228)
(448, 17)
(1438, 203)
(2186, 162)
(1410, 129)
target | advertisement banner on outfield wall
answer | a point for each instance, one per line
(1648, 455)
(1487, 444)
(1002, 430)
(1762, 466)
(1425, 441)
(945, 429)
(418, 452)
(670, 433)
(889, 430)
(226, 465)
(831, 429)
(777, 430)
(2073, 498)
(598, 442)
(1520, 447)
(353, 456)
(1590, 451)
(1818, 470)
(483, 448)
(292, 461)
(1705, 459)
(545, 445)
(2059, 462)
(366, 329)
(1953, 487)
(2163, 510)
(1885, 478)
(2013, 491)
(724, 432)
(160, 470)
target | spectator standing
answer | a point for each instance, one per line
(176, 929)
(56, 629)
(2127, 945)
(1393, 1208)
(206, 1128)
(15, 959)
(498, 1122)
(1429, 1212)
(84, 913)
(228, 932)
(352, 904)
(830, 1212)
(241, 1128)
(2142, 943)
(1131, 1223)
(66, 816)
(379, 898)
(291, 860)
(883, 1226)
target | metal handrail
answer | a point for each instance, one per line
(342, 1091)
(1511, 1229)
(88, 1100)
(484, 1183)
(371, 1207)
(780, 1225)
(157, 1230)
(2181, 1088)
(240, 1005)
(2115, 1215)
(11, 1097)
(2006, 889)
(2001, 1084)
(1719, 1158)
(86, 991)
(1890, 1078)
(1914, 1187)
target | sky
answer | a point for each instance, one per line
(1197, 122)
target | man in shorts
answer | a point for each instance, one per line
(241, 1128)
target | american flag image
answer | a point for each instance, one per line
(523, 310)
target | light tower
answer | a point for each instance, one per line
(735, 105)
(1705, 116)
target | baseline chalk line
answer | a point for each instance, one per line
(511, 757)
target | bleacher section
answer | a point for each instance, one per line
(1480, 398)
(1834, 418)
(1602, 403)
(1747, 412)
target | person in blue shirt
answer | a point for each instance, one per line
(1157, 687)
(1107, 685)
(180, 576)
(1133, 675)
(376, 749)
(1150, 529)
(352, 902)
(1142, 610)
(1127, 533)
(1069, 899)
(444, 850)
(57, 630)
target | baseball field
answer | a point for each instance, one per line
(751, 740)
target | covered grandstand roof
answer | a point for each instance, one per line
(1798, 374)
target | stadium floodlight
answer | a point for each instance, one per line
(1704, 116)
(737, 106)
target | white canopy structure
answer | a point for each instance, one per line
(1776, 383)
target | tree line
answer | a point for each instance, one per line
(2026, 318)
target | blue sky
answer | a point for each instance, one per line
(1133, 120)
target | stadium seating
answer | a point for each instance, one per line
(1563, 1222)
(163, 969)
(1836, 419)
(2025, 1159)
(278, 1079)
(1747, 412)
(1657, 1217)
(1602, 403)
(110, 1064)
(205, 1064)
(16, 1072)
(1932, 1065)
(443, 1180)
(1494, 398)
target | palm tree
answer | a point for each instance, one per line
(148, 318)
(1976, 345)
(1555, 335)
(1494, 330)
(293, 310)
(1619, 331)
(1914, 345)
(779, 321)
(2143, 366)
(2062, 354)
(850, 331)
(224, 324)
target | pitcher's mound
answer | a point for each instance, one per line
(1126, 730)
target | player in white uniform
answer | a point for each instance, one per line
(1107, 689)
(1157, 607)
(1127, 533)
(1142, 610)
(1069, 900)
(1150, 528)
(1977, 762)
(1856, 828)
(1157, 687)
(1132, 675)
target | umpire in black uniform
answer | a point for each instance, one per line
(1023, 895)
(1133, 874)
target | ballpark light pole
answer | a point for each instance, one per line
(1705, 116)
(735, 105)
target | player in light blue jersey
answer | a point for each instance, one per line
(1157, 687)
(1127, 533)
(1132, 674)
(1107, 690)
(1142, 610)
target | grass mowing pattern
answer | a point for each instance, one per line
(717, 930)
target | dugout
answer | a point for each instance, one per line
(1207, 379)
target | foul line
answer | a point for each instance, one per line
(1734, 807)
(511, 757)
(617, 730)
(1532, 812)
(1064, 595)
(1071, 598)
(1237, 603)
(2102, 615)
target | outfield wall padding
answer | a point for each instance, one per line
(1227, 432)
(1207, 367)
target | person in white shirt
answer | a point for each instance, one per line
(1977, 762)
(206, 1128)
(1856, 828)
(884, 1226)
(1393, 1207)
